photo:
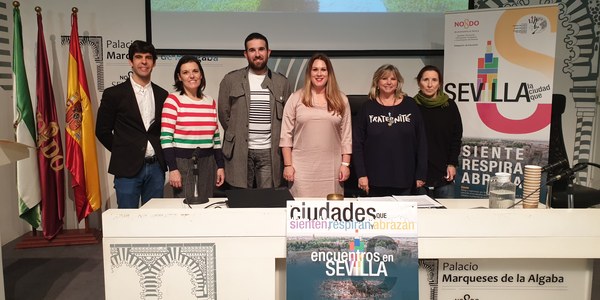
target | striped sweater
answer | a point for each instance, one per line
(188, 124)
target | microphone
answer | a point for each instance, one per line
(560, 163)
(195, 155)
(576, 168)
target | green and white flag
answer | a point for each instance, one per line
(28, 182)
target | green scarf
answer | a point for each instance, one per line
(440, 100)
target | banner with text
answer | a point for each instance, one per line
(352, 250)
(515, 279)
(499, 68)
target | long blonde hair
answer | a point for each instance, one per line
(333, 95)
(379, 73)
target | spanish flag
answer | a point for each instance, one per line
(80, 144)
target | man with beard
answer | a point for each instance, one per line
(251, 103)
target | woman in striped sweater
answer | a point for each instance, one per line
(190, 131)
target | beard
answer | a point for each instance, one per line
(258, 66)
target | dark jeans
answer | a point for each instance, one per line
(440, 192)
(377, 191)
(148, 183)
(259, 168)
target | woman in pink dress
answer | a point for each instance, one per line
(316, 134)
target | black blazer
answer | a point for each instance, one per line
(119, 127)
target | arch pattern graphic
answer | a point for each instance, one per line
(151, 260)
(431, 267)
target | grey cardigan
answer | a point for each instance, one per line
(234, 102)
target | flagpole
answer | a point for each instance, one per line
(81, 158)
(28, 190)
(38, 11)
(48, 143)
(16, 5)
(86, 220)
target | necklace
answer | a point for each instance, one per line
(387, 105)
(391, 112)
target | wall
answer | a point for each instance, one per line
(109, 26)
(108, 29)
(102, 23)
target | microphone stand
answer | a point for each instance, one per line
(571, 176)
(195, 174)
(549, 196)
(570, 195)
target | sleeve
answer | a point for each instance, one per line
(359, 135)
(287, 91)
(456, 139)
(218, 155)
(289, 121)
(168, 122)
(224, 107)
(421, 168)
(346, 128)
(217, 134)
(105, 119)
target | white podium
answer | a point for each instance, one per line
(9, 152)
(239, 253)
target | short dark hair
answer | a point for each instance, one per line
(141, 47)
(430, 68)
(179, 84)
(255, 36)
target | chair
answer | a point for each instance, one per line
(584, 196)
(351, 189)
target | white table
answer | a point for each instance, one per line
(251, 242)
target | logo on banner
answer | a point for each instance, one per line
(535, 24)
(485, 94)
(466, 23)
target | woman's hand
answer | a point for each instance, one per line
(450, 172)
(344, 173)
(363, 184)
(288, 173)
(420, 183)
(175, 179)
(220, 177)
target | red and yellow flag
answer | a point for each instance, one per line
(81, 159)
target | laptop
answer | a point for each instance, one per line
(271, 197)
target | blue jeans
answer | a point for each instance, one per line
(148, 183)
(440, 192)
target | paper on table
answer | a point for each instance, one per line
(423, 201)
(386, 198)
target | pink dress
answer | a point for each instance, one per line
(318, 139)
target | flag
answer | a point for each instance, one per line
(50, 153)
(28, 181)
(80, 143)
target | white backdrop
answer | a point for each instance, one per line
(111, 24)
(109, 27)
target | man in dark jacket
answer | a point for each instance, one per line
(128, 125)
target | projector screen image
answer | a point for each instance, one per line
(301, 24)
